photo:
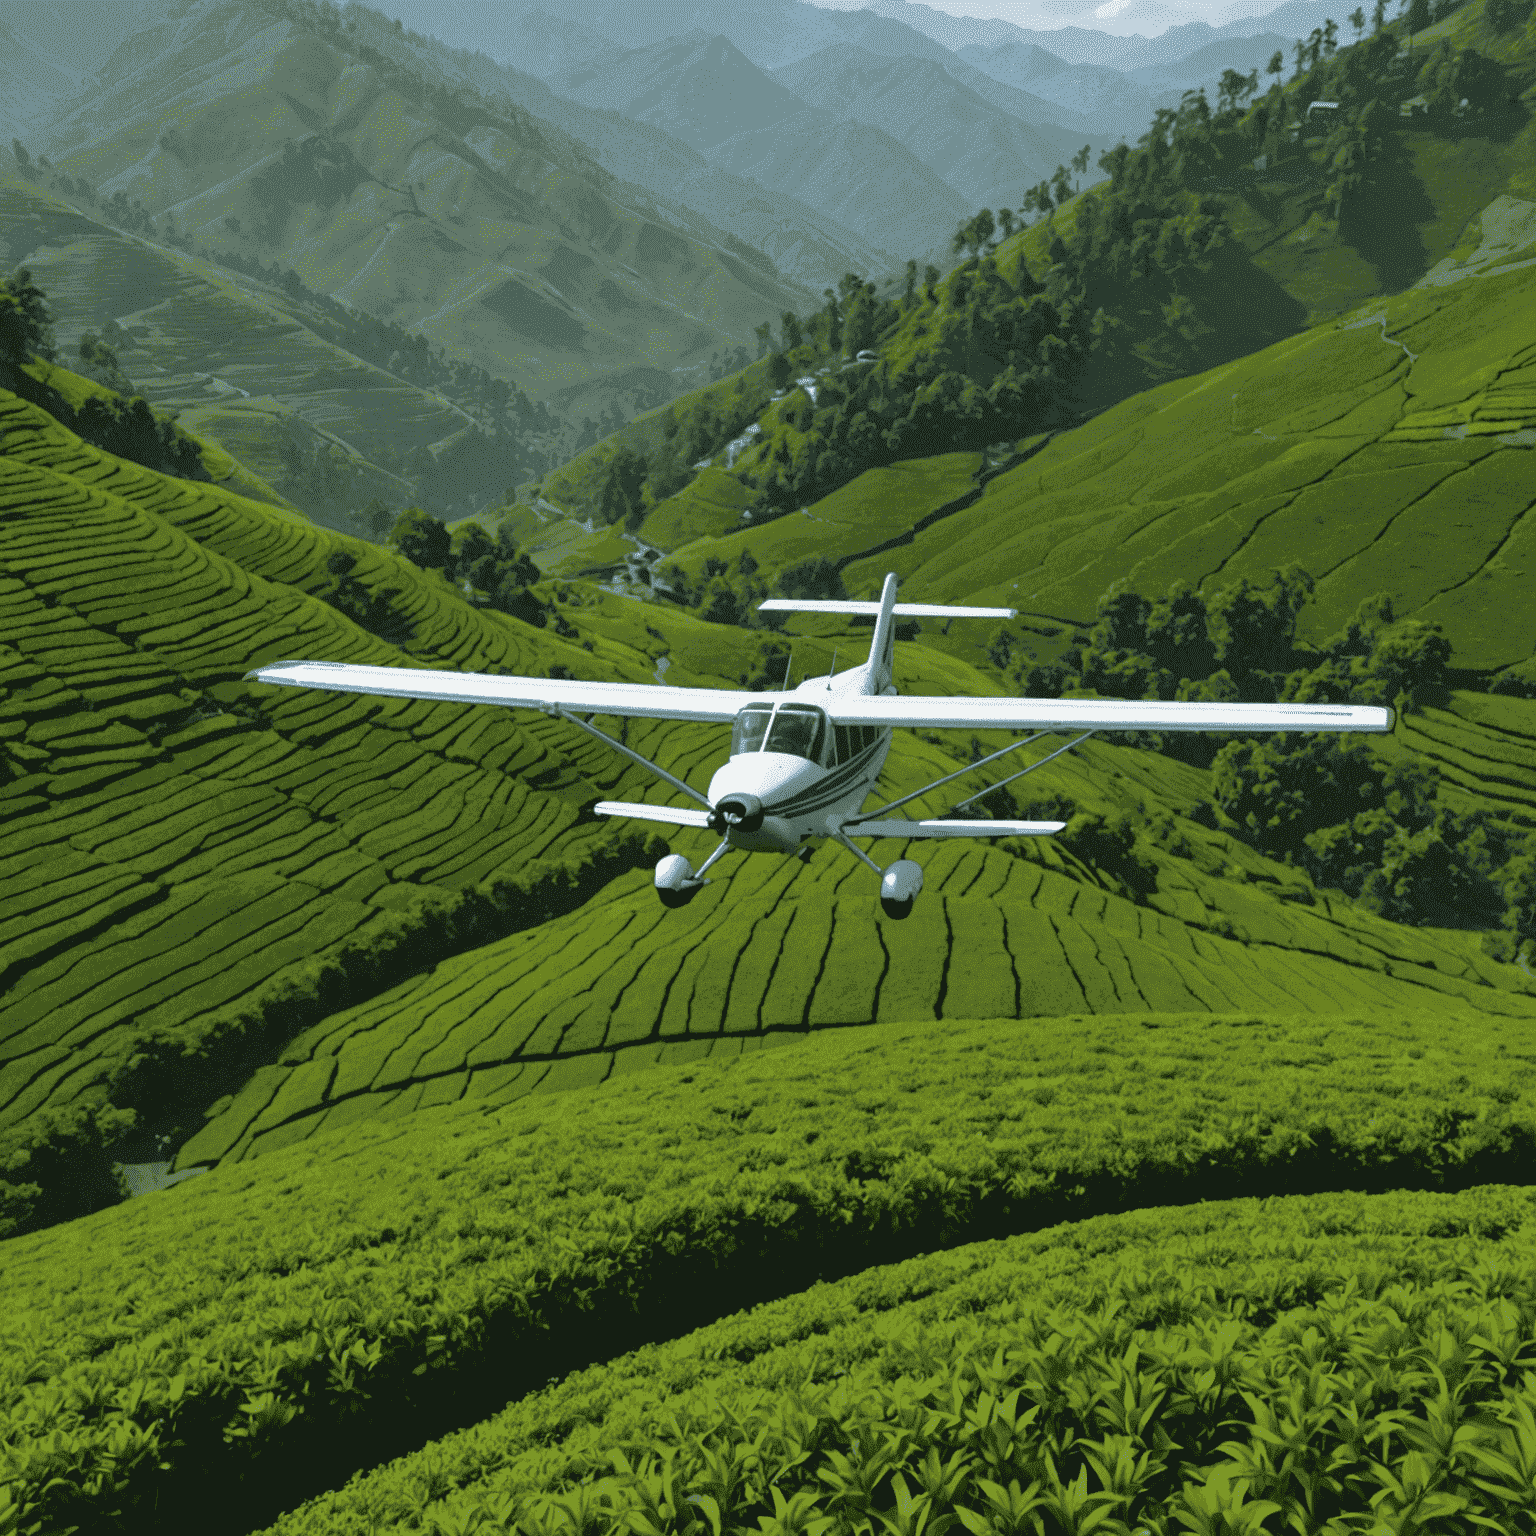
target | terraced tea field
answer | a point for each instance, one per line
(515, 1180)
(172, 844)
(774, 947)
(1484, 748)
(1391, 451)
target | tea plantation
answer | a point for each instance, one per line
(1139, 1183)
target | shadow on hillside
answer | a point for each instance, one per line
(1383, 221)
(1235, 309)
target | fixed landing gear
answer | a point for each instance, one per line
(677, 883)
(899, 886)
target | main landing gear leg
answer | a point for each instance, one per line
(899, 885)
(677, 882)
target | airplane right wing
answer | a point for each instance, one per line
(975, 713)
(677, 815)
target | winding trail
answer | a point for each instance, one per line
(1354, 325)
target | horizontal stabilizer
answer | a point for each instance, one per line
(899, 827)
(871, 610)
(678, 815)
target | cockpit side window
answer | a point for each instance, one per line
(751, 728)
(854, 739)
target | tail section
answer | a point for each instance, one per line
(882, 650)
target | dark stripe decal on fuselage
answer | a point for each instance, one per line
(833, 787)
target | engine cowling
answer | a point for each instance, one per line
(740, 812)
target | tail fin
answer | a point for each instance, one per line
(885, 613)
(882, 649)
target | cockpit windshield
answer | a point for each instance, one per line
(797, 729)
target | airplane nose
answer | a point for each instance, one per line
(740, 812)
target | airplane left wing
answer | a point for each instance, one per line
(897, 827)
(651, 701)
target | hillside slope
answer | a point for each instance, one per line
(1353, 448)
(236, 357)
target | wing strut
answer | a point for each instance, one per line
(852, 822)
(630, 753)
(1022, 771)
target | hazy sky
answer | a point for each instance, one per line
(472, 23)
(1148, 17)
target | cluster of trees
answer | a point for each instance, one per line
(727, 593)
(98, 359)
(1000, 360)
(1240, 643)
(490, 571)
(1332, 806)
(316, 169)
(373, 611)
(1505, 15)
(127, 428)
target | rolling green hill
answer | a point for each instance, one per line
(211, 847)
(1353, 447)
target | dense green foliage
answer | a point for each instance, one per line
(490, 570)
(1353, 821)
(674, 1197)
(1210, 1369)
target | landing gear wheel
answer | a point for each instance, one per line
(675, 882)
(899, 887)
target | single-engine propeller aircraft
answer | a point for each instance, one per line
(804, 761)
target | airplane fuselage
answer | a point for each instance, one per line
(790, 797)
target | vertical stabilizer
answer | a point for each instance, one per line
(882, 649)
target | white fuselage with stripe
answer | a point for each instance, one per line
(806, 797)
(800, 794)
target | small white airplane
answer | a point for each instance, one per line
(803, 762)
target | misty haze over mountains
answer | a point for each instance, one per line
(885, 124)
(605, 220)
